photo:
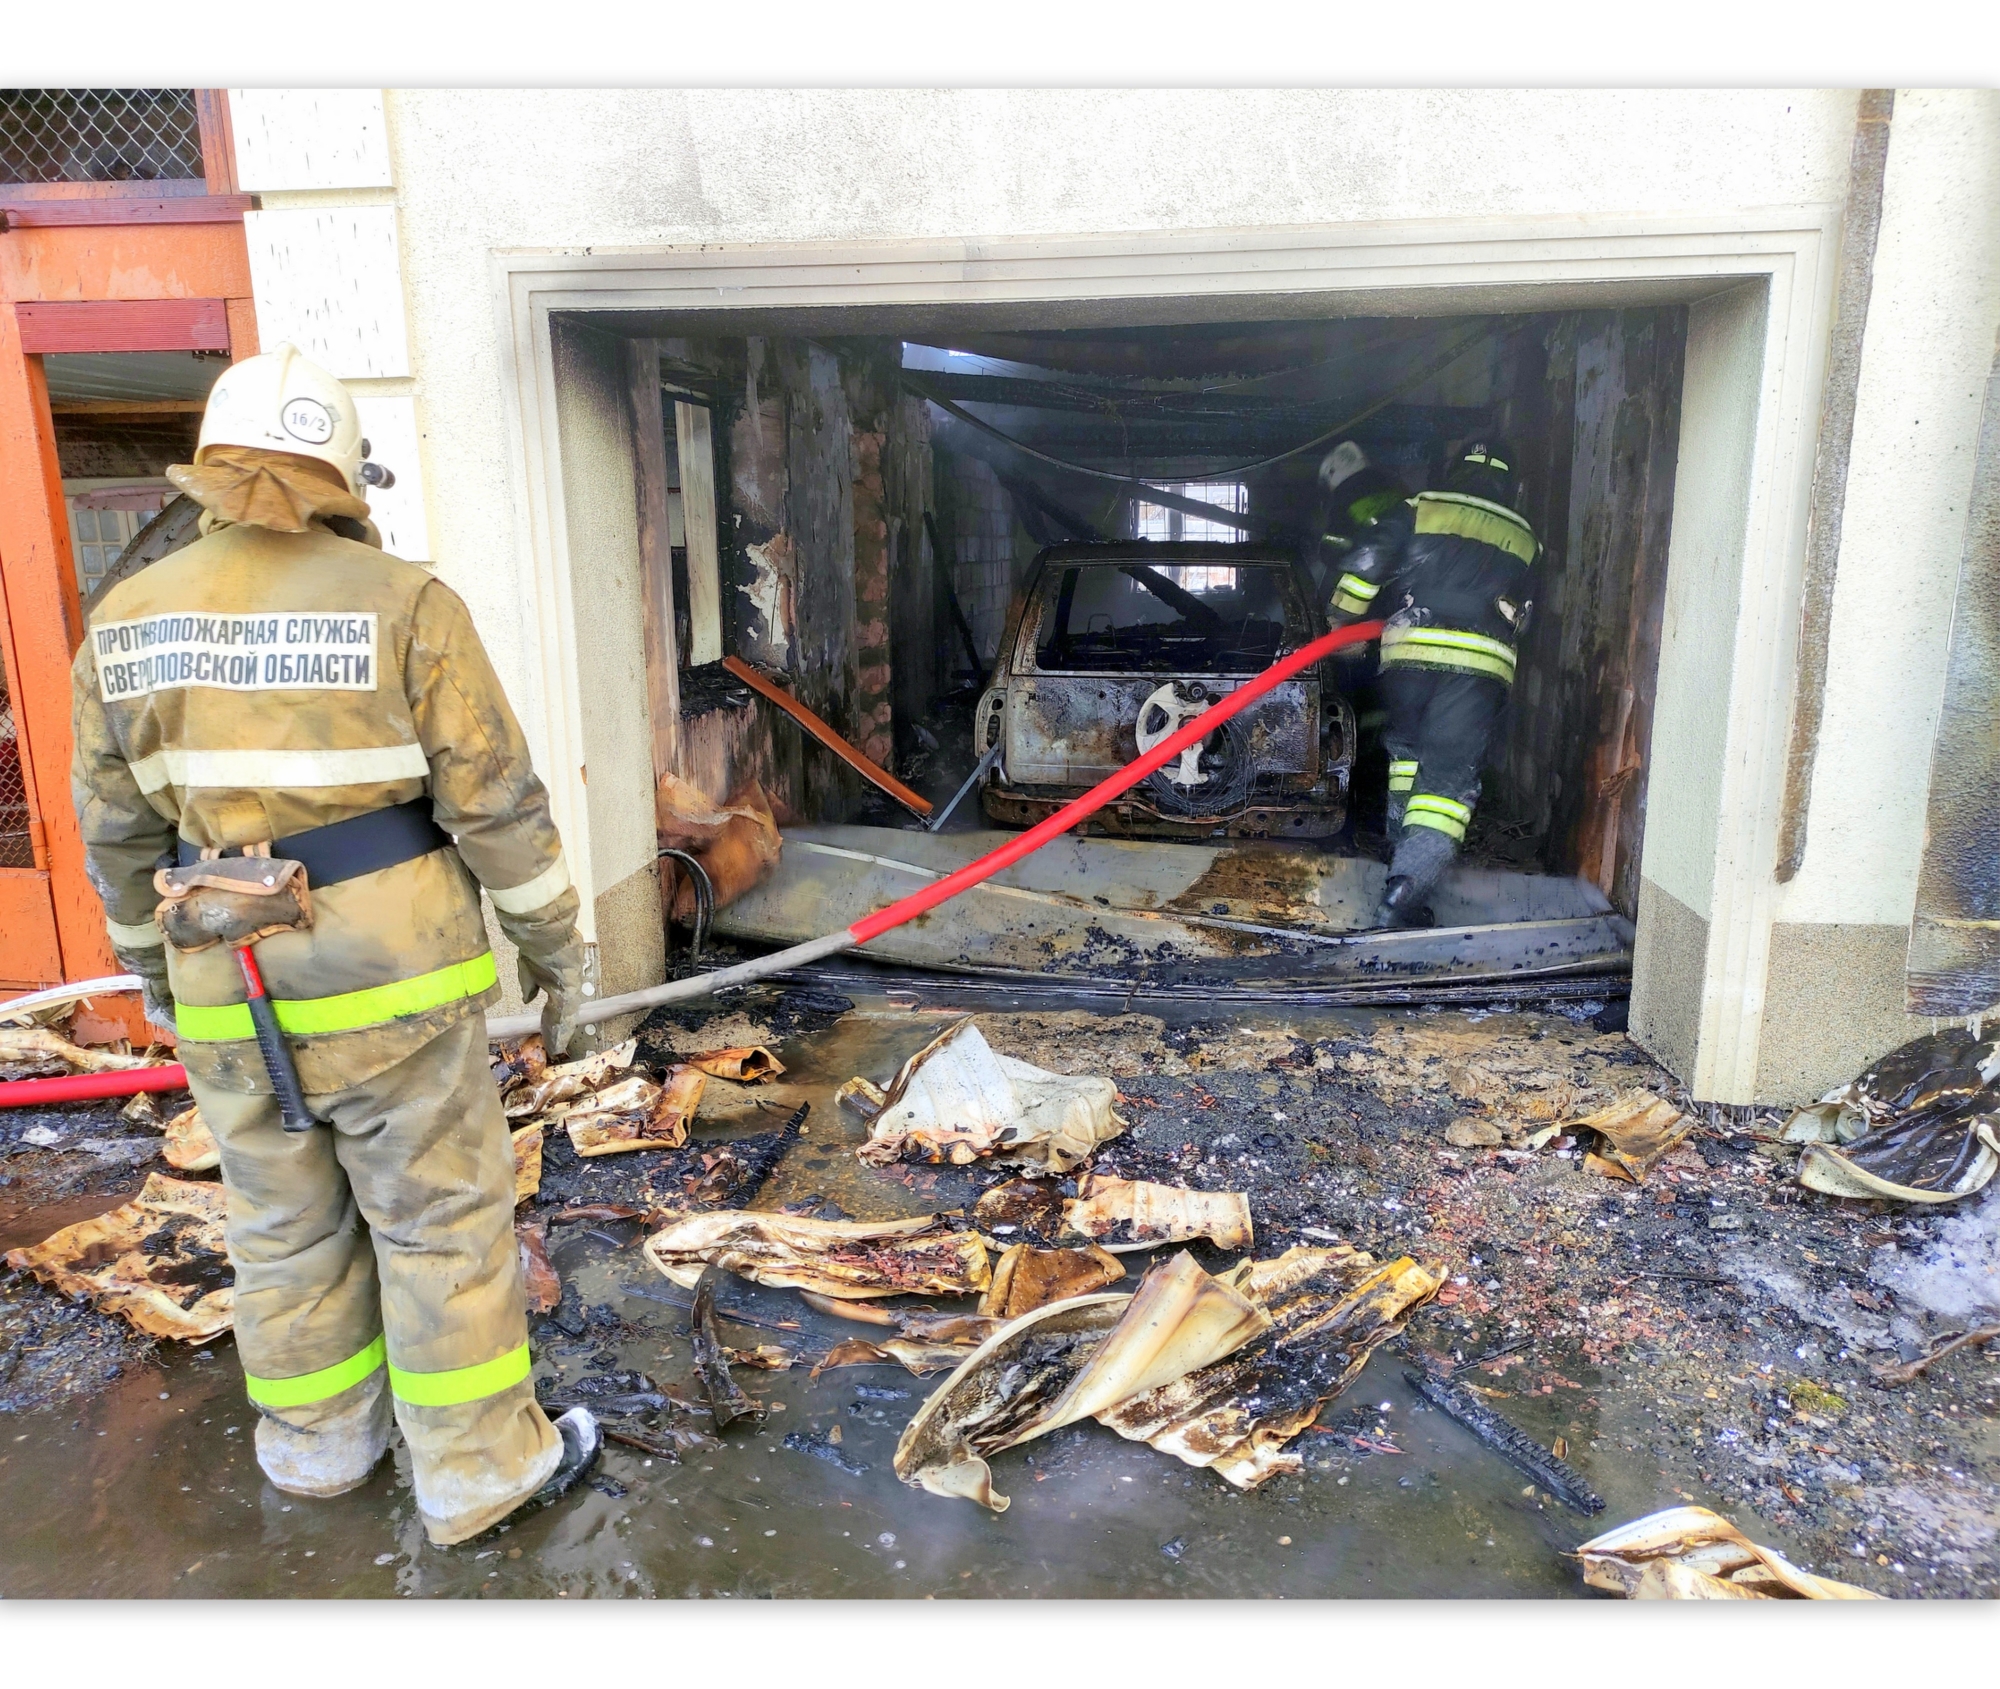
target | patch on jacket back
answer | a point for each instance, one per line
(323, 650)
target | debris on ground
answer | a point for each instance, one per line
(1026, 1278)
(1921, 1125)
(956, 1101)
(1709, 1337)
(1133, 1214)
(634, 1113)
(824, 1446)
(926, 1341)
(526, 1145)
(190, 1145)
(1074, 1360)
(1328, 1310)
(1636, 1132)
(605, 1104)
(159, 1261)
(35, 1052)
(1903, 1372)
(532, 1088)
(1116, 1214)
(913, 1354)
(539, 1277)
(1545, 1466)
(840, 1258)
(726, 1399)
(751, 1065)
(1691, 1554)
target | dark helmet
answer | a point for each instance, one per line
(1484, 469)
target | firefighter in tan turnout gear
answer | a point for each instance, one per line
(284, 687)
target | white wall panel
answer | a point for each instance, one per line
(293, 140)
(389, 424)
(330, 281)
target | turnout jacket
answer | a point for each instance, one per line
(1450, 574)
(258, 685)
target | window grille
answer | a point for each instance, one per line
(16, 849)
(99, 135)
(1157, 522)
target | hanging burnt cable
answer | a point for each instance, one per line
(913, 380)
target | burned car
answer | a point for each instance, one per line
(1116, 645)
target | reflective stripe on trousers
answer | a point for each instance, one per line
(449, 1388)
(1403, 774)
(306, 1017)
(1447, 815)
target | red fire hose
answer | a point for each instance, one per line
(964, 879)
(80, 1087)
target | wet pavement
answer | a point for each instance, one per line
(145, 1483)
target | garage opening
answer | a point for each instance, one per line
(1000, 560)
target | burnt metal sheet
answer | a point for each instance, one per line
(1088, 908)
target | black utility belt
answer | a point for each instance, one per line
(345, 850)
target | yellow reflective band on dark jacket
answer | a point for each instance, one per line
(1402, 775)
(1478, 519)
(306, 1017)
(1447, 648)
(1352, 594)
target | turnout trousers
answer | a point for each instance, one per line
(1439, 725)
(377, 1271)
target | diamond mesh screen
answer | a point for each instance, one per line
(99, 135)
(15, 849)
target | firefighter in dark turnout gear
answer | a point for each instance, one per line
(1449, 573)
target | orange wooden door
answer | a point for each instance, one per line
(30, 953)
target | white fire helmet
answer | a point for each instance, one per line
(281, 401)
(1345, 461)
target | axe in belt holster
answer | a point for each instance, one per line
(236, 900)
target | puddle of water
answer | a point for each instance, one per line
(132, 1495)
(141, 1497)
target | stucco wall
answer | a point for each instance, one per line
(1924, 360)
(481, 173)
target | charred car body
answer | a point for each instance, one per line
(1115, 645)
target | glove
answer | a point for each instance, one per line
(550, 956)
(559, 979)
(151, 967)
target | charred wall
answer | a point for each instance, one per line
(823, 477)
(1595, 412)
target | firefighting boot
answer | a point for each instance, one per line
(582, 1443)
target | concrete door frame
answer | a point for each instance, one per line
(1759, 287)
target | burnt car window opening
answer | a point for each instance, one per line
(1164, 618)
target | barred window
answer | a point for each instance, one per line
(1158, 522)
(99, 135)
